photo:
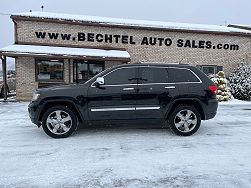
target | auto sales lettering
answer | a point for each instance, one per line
(144, 41)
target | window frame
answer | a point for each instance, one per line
(209, 66)
(217, 68)
(37, 60)
(87, 62)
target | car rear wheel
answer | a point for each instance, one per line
(185, 120)
(59, 122)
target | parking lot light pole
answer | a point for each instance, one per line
(3, 58)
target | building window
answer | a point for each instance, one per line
(210, 69)
(85, 70)
(49, 70)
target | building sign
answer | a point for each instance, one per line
(144, 41)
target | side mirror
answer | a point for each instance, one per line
(100, 81)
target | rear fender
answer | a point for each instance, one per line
(189, 101)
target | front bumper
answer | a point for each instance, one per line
(33, 112)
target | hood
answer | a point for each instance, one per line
(58, 87)
(72, 90)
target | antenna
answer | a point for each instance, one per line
(42, 7)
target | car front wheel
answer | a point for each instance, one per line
(59, 122)
(185, 120)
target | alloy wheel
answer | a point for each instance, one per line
(59, 122)
(185, 120)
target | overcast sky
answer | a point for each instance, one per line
(218, 12)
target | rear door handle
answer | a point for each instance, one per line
(128, 88)
(170, 87)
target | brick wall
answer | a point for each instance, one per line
(25, 67)
(109, 64)
(172, 54)
(25, 77)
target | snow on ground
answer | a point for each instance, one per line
(218, 155)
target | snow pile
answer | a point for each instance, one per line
(130, 22)
(240, 82)
(220, 81)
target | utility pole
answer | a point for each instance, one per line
(3, 58)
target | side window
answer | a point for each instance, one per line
(121, 76)
(153, 75)
(181, 75)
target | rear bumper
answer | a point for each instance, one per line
(210, 109)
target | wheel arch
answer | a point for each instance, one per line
(193, 102)
(67, 103)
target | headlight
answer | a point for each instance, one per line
(35, 96)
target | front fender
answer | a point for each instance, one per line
(81, 109)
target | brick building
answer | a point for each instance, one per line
(53, 49)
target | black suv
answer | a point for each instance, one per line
(176, 95)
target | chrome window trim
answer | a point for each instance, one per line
(92, 85)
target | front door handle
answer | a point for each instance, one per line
(170, 87)
(128, 88)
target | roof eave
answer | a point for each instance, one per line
(103, 24)
(103, 58)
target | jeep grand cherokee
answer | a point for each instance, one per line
(161, 94)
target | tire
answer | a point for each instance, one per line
(184, 120)
(59, 122)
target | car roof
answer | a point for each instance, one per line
(155, 65)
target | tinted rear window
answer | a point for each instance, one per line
(153, 75)
(177, 75)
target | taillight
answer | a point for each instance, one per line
(213, 89)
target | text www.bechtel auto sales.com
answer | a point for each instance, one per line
(126, 39)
